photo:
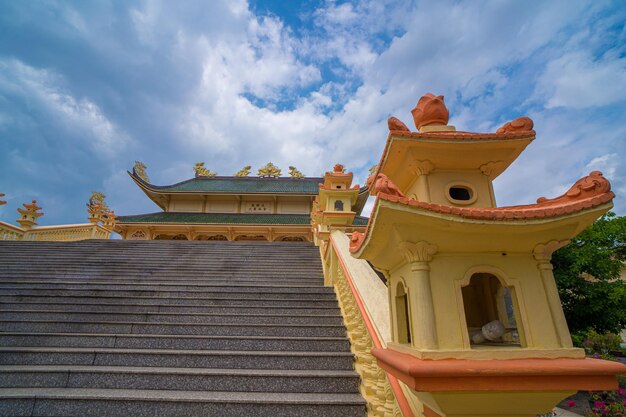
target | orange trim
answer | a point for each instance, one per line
(502, 375)
(586, 193)
(527, 134)
(393, 382)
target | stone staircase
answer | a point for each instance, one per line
(171, 328)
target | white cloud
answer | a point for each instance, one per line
(577, 80)
(82, 117)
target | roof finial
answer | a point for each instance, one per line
(521, 124)
(293, 171)
(201, 171)
(139, 169)
(243, 172)
(269, 170)
(96, 207)
(430, 110)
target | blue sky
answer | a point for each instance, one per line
(87, 88)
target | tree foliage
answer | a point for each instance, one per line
(587, 274)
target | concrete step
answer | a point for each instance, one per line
(164, 308)
(201, 342)
(302, 330)
(162, 328)
(203, 318)
(176, 358)
(48, 402)
(149, 286)
(248, 292)
(222, 300)
(183, 379)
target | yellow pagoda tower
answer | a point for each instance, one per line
(477, 326)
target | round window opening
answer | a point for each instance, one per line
(460, 193)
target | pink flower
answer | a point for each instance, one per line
(571, 403)
(599, 404)
(622, 392)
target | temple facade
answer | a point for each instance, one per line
(266, 207)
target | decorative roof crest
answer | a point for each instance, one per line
(339, 169)
(591, 185)
(373, 169)
(2, 202)
(269, 170)
(521, 124)
(430, 110)
(96, 207)
(243, 172)
(382, 184)
(202, 171)
(393, 123)
(294, 173)
(139, 169)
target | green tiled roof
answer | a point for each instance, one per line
(226, 218)
(245, 185)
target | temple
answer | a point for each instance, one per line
(265, 207)
(272, 295)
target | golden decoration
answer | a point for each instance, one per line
(139, 169)
(244, 172)
(269, 170)
(375, 387)
(201, 171)
(96, 207)
(293, 171)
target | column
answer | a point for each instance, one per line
(421, 307)
(543, 254)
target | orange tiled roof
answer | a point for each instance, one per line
(588, 192)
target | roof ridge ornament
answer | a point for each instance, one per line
(202, 171)
(269, 171)
(295, 173)
(521, 124)
(2, 202)
(139, 169)
(244, 172)
(430, 110)
(97, 207)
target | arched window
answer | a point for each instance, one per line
(490, 311)
(402, 314)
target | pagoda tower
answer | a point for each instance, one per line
(477, 324)
(29, 215)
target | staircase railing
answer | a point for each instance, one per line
(365, 308)
(10, 232)
(66, 233)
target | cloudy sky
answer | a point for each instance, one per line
(88, 87)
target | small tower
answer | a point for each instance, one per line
(96, 207)
(474, 304)
(333, 206)
(29, 215)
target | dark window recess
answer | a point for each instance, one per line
(338, 205)
(460, 193)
